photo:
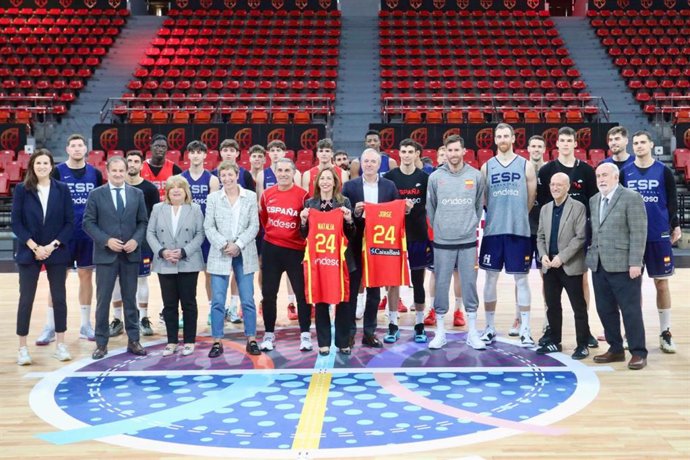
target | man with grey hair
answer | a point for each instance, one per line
(619, 234)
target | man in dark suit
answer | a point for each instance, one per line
(116, 219)
(619, 234)
(370, 188)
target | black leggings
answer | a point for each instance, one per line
(418, 291)
(275, 260)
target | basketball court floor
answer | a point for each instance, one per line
(402, 401)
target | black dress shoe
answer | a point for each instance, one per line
(324, 351)
(216, 350)
(581, 352)
(592, 342)
(345, 351)
(135, 348)
(252, 348)
(371, 341)
(99, 352)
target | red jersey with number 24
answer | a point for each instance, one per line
(384, 252)
(326, 278)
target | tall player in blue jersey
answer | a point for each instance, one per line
(81, 179)
(511, 187)
(654, 181)
(201, 183)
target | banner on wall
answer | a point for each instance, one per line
(455, 5)
(128, 137)
(683, 136)
(12, 137)
(263, 5)
(481, 136)
(61, 4)
(638, 5)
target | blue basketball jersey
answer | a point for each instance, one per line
(650, 183)
(79, 189)
(200, 188)
(269, 178)
(620, 164)
(506, 197)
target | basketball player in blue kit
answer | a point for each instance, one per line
(201, 183)
(654, 181)
(81, 179)
(511, 188)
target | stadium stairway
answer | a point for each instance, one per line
(599, 72)
(109, 80)
(357, 97)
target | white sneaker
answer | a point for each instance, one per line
(439, 341)
(170, 349)
(514, 330)
(526, 339)
(47, 336)
(86, 332)
(61, 353)
(666, 342)
(474, 341)
(361, 304)
(268, 342)
(489, 335)
(305, 342)
(188, 349)
(23, 356)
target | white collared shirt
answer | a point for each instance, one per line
(113, 194)
(371, 190)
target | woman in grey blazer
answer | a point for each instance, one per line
(175, 233)
(231, 224)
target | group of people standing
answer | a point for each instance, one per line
(341, 232)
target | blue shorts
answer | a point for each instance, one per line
(515, 252)
(535, 253)
(81, 251)
(658, 259)
(420, 254)
(205, 249)
(145, 263)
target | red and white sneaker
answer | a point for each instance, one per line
(401, 307)
(383, 303)
(292, 312)
(430, 319)
(458, 318)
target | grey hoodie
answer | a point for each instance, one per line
(454, 205)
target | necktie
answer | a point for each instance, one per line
(120, 201)
(604, 207)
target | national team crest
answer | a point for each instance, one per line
(463, 4)
(486, 4)
(90, 3)
(450, 132)
(253, 4)
(206, 4)
(142, 139)
(278, 4)
(439, 4)
(210, 138)
(114, 3)
(276, 135)
(686, 138)
(416, 4)
(387, 136)
(535, 3)
(325, 4)
(177, 139)
(182, 4)
(9, 139)
(484, 138)
(109, 139)
(393, 4)
(230, 3)
(509, 4)
(469, 184)
(670, 4)
(584, 138)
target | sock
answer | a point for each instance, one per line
(86, 315)
(360, 300)
(490, 317)
(143, 312)
(458, 303)
(50, 319)
(393, 317)
(234, 301)
(517, 311)
(665, 319)
(472, 321)
(117, 313)
(419, 317)
(292, 298)
(440, 325)
(431, 303)
(524, 320)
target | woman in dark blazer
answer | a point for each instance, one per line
(42, 220)
(175, 234)
(328, 197)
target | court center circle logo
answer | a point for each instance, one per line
(402, 398)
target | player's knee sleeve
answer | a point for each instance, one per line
(524, 297)
(490, 286)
